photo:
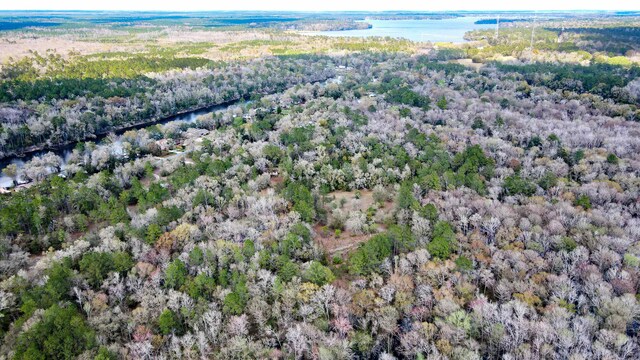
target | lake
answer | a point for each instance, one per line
(445, 30)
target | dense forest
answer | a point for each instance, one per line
(364, 204)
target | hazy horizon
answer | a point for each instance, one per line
(326, 6)
(326, 11)
(319, 180)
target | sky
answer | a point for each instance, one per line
(319, 5)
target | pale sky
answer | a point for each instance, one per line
(318, 5)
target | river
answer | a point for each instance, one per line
(65, 151)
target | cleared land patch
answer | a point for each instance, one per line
(353, 217)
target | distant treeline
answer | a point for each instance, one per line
(599, 79)
(327, 25)
(495, 21)
(15, 25)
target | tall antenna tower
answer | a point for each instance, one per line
(497, 27)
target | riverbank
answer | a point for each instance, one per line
(65, 149)
(35, 150)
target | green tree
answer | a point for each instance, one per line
(318, 274)
(463, 263)
(535, 141)
(58, 286)
(168, 214)
(477, 124)
(548, 180)
(472, 168)
(302, 200)
(430, 181)
(405, 199)
(176, 274)
(156, 194)
(370, 255)
(201, 286)
(584, 201)
(430, 212)
(196, 256)
(204, 198)
(153, 233)
(105, 354)
(516, 185)
(442, 103)
(233, 304)
(61, 334)
(401, 238)
(169, 322)
(404, 95)
(97, 265)
(273, 153)
(287, 269)
(117, 212)
(248, 249)
(443, 239)
(290, 244)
